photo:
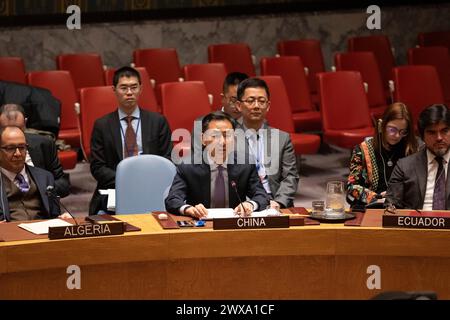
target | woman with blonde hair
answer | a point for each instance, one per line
(373, 160)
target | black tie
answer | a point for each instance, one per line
(439, 186)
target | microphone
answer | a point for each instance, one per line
(233, 185)
(50, 191)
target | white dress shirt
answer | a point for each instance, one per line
(431, 178)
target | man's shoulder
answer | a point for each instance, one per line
(105, 118)
(35, 139)
(413, 159)
(35, 171)
(151, 115)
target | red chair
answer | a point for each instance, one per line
(280, 117)
(345, 109)
(68, 159)
(436, 38)
(292, 72)
(366, 64)
(381, 47)
(237, 57)
(95, 102)
(310, 52)
(86, 68)
(61, 86)
(147, 100)
(439, 58)
(12, 69)
(417, 87)
(212, 74)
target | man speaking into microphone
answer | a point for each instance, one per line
(218, 182)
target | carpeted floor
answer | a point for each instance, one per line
(330, 163)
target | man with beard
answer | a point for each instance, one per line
(420, 181)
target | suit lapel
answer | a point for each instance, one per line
(205, 183)
(232, 176)
(114, 125)
(422, 174)
(145, 130)
(41, 186)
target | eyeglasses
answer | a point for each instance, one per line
(252, 101)
(12, 149)
(124, 89)
(392, 131)
(232, 100)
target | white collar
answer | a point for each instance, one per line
(136, 113)
(431, 156)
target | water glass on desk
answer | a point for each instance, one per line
(335, 201)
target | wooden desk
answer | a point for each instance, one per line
(316, 262)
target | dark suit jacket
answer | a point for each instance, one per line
(43, 179)
(44, 155)
(192, 185)
(408, 182)
(107, 149)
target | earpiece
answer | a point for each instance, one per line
(380, 123)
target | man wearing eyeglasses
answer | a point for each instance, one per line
(127, 132)
(419, 181)
(22, 187)
(269, 148)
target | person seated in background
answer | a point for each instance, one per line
(373, 160)
(126, 132)
(215, 182)
(23, 187)
(41, 151)
(419, 181)
(269, 148)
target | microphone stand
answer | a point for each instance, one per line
(51, 193)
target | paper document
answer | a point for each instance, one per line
(229, 213)
(111, 193)
(42, 226)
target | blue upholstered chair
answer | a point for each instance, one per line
(142, 184)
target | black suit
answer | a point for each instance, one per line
(43, 179)
(44, 155)
(107, 149)
(192, 185)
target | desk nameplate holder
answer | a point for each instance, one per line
(87, 230)
(251, 223)
(426, 220)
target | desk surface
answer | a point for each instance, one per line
(311, 262)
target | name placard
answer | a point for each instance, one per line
(251, 223)
(86, 230)
(416, 222)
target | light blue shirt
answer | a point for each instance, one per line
(137, 127)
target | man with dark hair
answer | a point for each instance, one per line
(229, 94)
(419, 181)
(269, 148)
(127, 132)
(22, 187)
(41, 151)
(197, 187)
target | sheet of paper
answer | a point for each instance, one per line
(111, 193)
(42, 226)
(215, 213)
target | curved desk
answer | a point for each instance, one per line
(314, 262)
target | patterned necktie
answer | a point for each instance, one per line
(219, 189)
(130, 148)
(23, 184)
(439, 186)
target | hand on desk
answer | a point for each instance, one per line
(65, 216)
(198, 211)
(248, 207)
(274, 205)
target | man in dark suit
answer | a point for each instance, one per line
(41, 151)
(129, 131)
(23, 188)
(211, 184)
(419, 181)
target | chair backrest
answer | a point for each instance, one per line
(310, 52)
(183, 102)
(417, 87)
(142, 183)
(344, 102)
(12, 69)
(147, 99)
(95, 102)
(86, 68)
(366, 63)
(381, 47)
(291, 70)
(280, 114)
(434, 56)
(436, 38)
(212, 74)
(61, 86)
(237, 57)
(162, 64)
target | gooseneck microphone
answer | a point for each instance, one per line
(233, 185)
(51, 193)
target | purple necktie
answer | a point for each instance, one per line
(219, 189)
(439, 186)
(23, 184)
